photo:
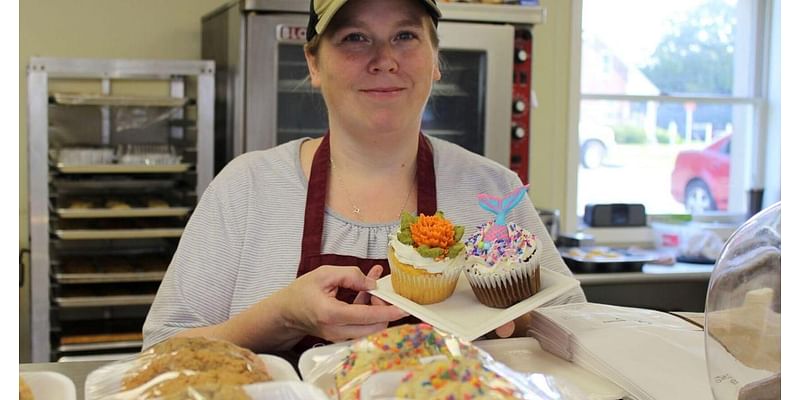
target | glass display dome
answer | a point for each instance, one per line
(743, 312)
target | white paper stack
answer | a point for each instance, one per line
(650, 354)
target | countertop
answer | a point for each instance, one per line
(678, 272)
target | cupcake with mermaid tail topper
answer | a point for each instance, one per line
(426, 257)
(502, 264)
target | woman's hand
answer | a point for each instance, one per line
(365, 297)
(505, 330)
(309, 304)
(517, 327)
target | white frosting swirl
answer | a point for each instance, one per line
(500, 257)
(409, 255)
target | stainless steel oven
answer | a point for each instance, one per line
(481, 103)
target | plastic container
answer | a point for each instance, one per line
(181, 366)
(49, 385)
(743, 312)
(699, 240)
(384, 357)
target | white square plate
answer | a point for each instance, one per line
(463, 315)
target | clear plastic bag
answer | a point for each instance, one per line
(147, 154)
(85, 155)
(196, 368)
(374, 368)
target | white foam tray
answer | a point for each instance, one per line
(49, 385)
(463, 315)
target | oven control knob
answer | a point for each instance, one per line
(517, 132)
(519, 106)
(521, 56)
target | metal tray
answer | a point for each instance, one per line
(103, 234)
(100, 346)
(137, 212)
(102, 301)
(623, 260)
(92, 99)
(112, 182)
(122, 168)
(110, 277)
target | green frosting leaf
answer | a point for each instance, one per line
(428, 252)
(405, 237)
(406, 219)
(455, 250)
(458, 232)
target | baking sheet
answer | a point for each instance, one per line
(110, 277)
(599, 259)
(97, 99)
(102, 301)
(75, 213)
(122, 168)
(101, 234)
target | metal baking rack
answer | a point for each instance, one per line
(119, 153)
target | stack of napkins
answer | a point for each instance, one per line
(650, 354)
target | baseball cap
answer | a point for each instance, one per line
(322, 11)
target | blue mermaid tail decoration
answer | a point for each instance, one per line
(500, 206)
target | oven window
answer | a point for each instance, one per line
(455, 111)
(295, 93)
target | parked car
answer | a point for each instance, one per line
(700, 178)
(597, 143)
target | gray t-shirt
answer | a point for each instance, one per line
(243, 241)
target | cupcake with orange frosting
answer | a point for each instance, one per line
(426, 257)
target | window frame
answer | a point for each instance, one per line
(751, 173)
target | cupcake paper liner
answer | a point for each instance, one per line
(422, 287)
(501, 290)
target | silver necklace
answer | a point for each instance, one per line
(356, 210)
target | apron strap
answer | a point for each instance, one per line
(315, 205)
(318, 189)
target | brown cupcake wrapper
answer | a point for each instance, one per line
(423, 288)
(506, 289)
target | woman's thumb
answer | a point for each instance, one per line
(352, 278)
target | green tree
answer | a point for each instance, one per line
(696, 55)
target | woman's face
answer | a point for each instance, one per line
(376, 64)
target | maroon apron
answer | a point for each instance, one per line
(311, 255)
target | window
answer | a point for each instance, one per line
(670, 110)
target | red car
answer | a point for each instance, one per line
(700, 177)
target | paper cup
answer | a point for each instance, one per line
(501, 290)
(419, 285)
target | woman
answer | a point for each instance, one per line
(280, 233)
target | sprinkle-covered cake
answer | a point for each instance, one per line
(457, 378)
(502, 267)
(426, 257)
(395, 348)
